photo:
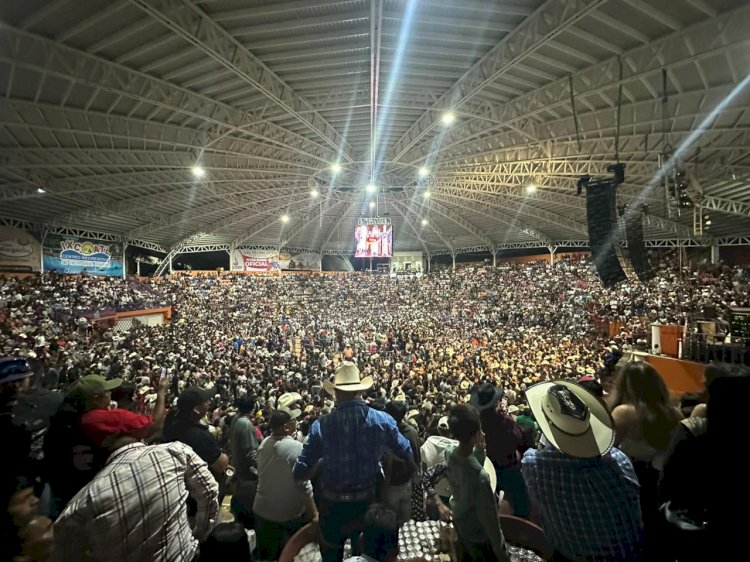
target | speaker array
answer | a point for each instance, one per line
(602, 225)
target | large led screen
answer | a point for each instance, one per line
(374, 241)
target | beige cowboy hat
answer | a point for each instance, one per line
(288, 399)
(571, 418)
(346, 379)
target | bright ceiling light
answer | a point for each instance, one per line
(198, 171)
(335, 167)
(370, 188)
(423, 172)
(424, 222)
(314, 193)
(448, 118)
(531, 188)
(41, 190)
(284, 218)
(426, 194)
(372, 204)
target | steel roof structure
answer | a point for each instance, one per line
(304, 115)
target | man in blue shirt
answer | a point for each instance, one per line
(351, 441)
(587, 489)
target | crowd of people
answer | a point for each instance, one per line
(251, 358)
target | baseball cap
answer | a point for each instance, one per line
(193, 396)
(97, 425)
(282, 416)
(443, 423)
(93, 385)
(12, 369)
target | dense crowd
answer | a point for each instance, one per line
(243, 344)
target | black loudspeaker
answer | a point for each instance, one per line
(636, 248)
(603, 238)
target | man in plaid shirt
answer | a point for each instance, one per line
(587, 489)
(134, 509)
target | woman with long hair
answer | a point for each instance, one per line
(644, 420)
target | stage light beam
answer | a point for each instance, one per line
(423, 172)
(448, 118)
(285, 218)
(198, 171)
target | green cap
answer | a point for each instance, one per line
(93, 385)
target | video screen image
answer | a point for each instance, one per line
(374, 241)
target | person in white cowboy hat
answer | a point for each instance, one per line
(351, 441)
(587, 489)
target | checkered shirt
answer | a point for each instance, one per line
(134, 509)
(590, 507)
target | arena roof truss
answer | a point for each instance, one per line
(196, 125)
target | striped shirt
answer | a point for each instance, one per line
(590, 507)
(352, 440)
(134, 509)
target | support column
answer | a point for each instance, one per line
(494, 259)
(429, 262)
(170, 264)
(454, 261)
(552, 250)
(138, 267)
(714, 254)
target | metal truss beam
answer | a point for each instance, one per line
(508, 206)
(548, 21)
(195, 192)
(303, 223)
(33, 52)
(203, 211)
(32, 164)
(435, 207)
(739, 208)
(405, 211)
(287, 201)
(109, 130)
(512, 221)
(191, 23)
(707, 38)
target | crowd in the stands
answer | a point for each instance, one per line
(252, 366)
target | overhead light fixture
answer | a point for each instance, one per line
(314, 193)
(198, 171)
(424, 222)
(335, 167)
(448, 118)
(372, 204)
(370, 188)
(531, 188)
(284, 218)
(423, 172)
(426, 194)
(41, 190)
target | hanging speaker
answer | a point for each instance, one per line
(602, 226)
(636, 247)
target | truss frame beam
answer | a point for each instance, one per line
(191, 23)
(548, 21)
(638, 64)
(45, 56)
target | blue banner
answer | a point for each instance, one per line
(71, 255)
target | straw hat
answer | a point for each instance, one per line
(347, 379)
(571, 418)
(288, 399)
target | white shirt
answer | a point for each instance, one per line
(134, 510)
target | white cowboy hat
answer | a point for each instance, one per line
(347, 379)
(571, 418)
(287, 399)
